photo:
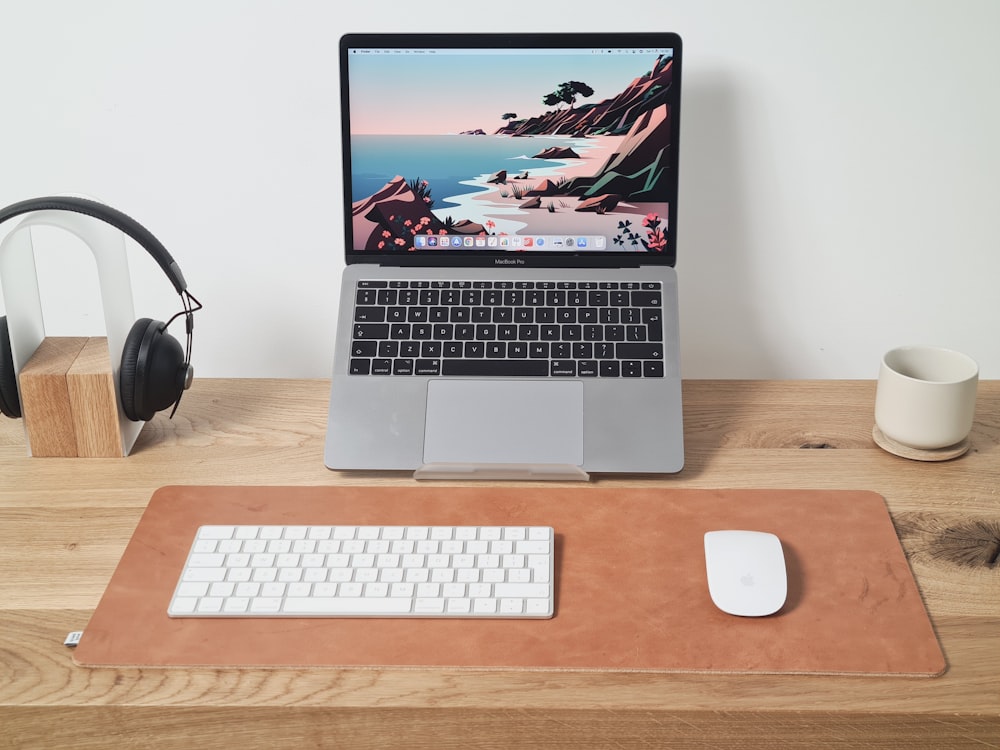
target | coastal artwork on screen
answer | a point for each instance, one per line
(510, 153)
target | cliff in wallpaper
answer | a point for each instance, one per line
(614, 116)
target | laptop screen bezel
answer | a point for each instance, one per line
(564, 258)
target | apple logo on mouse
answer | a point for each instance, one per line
(747, 580)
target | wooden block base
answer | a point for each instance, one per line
(68, 399)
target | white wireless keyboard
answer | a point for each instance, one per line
(367, 571)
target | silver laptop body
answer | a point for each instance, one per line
(509, 303)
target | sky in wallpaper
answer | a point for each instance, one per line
(441, 92)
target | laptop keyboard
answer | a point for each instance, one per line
(508, 328)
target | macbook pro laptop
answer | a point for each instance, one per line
(509, 299)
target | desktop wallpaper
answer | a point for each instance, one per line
(504, 151)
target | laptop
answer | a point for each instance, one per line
(509, 299)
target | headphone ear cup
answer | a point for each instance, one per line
(10, 401)
(152, 371)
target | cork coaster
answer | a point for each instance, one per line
(917, 454)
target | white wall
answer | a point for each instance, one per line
(840, 167)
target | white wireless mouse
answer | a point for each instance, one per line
(746, 572)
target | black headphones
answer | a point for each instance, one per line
(155, 370)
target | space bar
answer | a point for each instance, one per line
(346, 605)
(532, 368)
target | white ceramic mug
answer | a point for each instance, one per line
(926, 396)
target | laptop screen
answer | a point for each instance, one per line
(547, 148)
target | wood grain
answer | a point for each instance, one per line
(64, 523)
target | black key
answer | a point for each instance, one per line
(532, 368)
(381, 367)
(400, 331)
(493, 297)
(399, 284)
(430, 349)
(524, 315)
(408, 297)
(417, 314)
(610, 315)
(535, 298)
(396, 315)
(460, 315)
(444, 331)
(562, 350)
(555, 298)
(572, 333)
(430, 297)
(465, 331)
(545, 315)
(507, 332)
(586, 368)
(577, 298)
(593, 333)
(587, 315)
(517, 350)
(597, 299)
(496, 349)
(550, 333)
(604, 350)
(427, 367)
(513, 298)
(388, 348)
(527, 333)
(639, 351)
(503, 315)
(583, 351)
(421, 331)
(563, 368)
(409, 349)
(481, 314)
(360, 367)
(654, 324)
(475, 349)
(364, 348)
(614, 333)
(619, 299)
(365, 297)
(452, 349)
(631, 368)
(635, 333)
(371, 331)
(387, 296)
(610, 368)
(486, 332)
(538, 350)
(451, 297)
(472, 297)
(646, 299)
(566, 315)
(437, 314)
(402, 367)
(652, 369)
(364, 284)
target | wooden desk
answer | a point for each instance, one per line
(64, 523)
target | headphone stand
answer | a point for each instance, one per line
(69, 386)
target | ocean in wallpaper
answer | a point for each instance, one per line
(448, 161)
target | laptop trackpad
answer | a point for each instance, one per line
(504, 422)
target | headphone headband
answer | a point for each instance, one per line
(112, 216)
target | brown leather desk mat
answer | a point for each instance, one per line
(631, 593)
